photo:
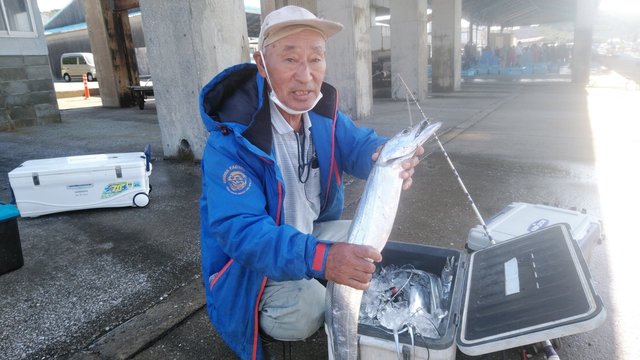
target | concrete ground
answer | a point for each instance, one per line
(75, 89)
(125, 283)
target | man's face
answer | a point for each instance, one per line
(296, 65)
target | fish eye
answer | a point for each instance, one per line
(405, 131)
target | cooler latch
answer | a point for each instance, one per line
(118, 171)
(36, 179)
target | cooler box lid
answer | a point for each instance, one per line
(525, 290)
(81, 163)
(8, 212)
(522, 218)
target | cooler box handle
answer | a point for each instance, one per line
(147, 154)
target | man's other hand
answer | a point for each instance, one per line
(408, 166)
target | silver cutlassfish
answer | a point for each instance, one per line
(371, 226)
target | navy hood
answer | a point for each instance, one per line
(234, 97)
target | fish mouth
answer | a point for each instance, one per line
(405, 144)
(424, 130)
(421, 127)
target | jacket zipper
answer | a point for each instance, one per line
(256, 314)
(332, 165)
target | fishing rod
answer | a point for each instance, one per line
(455, 172)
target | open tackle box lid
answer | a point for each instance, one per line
(525, 290)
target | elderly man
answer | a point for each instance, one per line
(272, 192)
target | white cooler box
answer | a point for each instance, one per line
(521, 218)
(518, 292)
(46, 186)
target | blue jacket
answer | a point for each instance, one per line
(244, 238)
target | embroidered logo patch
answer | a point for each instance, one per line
(236, 180)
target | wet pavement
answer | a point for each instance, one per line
(125, 283)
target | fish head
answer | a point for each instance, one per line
(404, 144)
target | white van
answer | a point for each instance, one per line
(74, 65)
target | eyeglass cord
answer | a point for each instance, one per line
(304, 164)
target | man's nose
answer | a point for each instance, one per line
(303, 73)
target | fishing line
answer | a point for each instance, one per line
(409, 110)
(402, 287)
(455, 172)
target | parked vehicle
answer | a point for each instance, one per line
(74, 65)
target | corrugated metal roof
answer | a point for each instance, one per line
(71, 14)
(71, 18)
(79, 26)
(484, 12)
(509, 13)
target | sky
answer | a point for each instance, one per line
(46, 5)
(627, 6)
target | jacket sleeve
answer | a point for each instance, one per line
(237, 216)
(355, 146)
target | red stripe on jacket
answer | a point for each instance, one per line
(255, 320)
(215, 278)
(256, 313)
(318, 257)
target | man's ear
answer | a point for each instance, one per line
(259, 60)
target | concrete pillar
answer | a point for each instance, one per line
(349, 55)
(583, 35)
(267, 6)
(113, 52)
(188, 42)
(409, 56)
(446, 45)
(489, 44)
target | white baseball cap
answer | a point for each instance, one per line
(292, 19)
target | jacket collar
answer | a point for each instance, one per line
(227, 96)
(259, 131)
